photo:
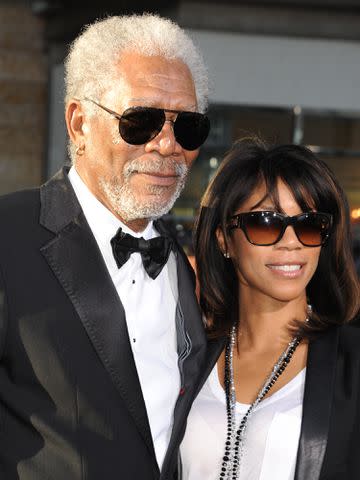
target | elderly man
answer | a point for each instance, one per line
(101, 340)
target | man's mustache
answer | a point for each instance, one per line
(160, 165)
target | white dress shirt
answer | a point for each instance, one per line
(150, 316)
(272, 436)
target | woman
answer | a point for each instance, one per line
(277, 286)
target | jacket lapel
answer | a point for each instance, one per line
(193, 325)
(193, 365)
(189, 311)
(318, 399)
(76, 261)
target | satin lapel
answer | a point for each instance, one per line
(76, 261)
(194, 363)
(190, 311)
(318, 399)
(193, 324)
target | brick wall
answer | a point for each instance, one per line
(23, 83)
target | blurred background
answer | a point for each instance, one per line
(287, 70)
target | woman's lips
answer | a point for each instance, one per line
(286, 270)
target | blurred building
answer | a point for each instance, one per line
(287, 70)
(23, 97)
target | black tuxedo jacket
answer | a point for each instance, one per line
(329, 446)
(71, 406)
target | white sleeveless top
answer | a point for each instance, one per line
(272, 436)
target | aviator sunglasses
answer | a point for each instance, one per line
(265, 228)
(139, 125)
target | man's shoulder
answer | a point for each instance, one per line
(28, 199)
(20, 199)
(19, 211)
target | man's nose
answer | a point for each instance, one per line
(165, 142)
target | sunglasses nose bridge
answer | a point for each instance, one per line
(170, 116)
(164, 140)
(159, 122)
(171, 121)
(289, 222)
(167, 117)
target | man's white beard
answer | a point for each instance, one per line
(123, 201)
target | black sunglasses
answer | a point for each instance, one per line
(139, 125)
(266, 228)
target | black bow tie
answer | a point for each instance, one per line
(154, 252)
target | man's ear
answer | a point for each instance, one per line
(75, 119)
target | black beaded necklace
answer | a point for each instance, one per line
(235, 435)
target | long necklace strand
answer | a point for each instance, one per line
(234, 442)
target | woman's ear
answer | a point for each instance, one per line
(222, 242)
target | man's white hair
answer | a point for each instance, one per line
(95, 52)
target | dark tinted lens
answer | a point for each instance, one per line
(312, 229)
(191, 129)
(262, 228)
(141, 124)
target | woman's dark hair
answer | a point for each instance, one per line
(334, 290)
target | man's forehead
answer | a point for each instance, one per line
(172, 80)
(156, 76)
(140, 67)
